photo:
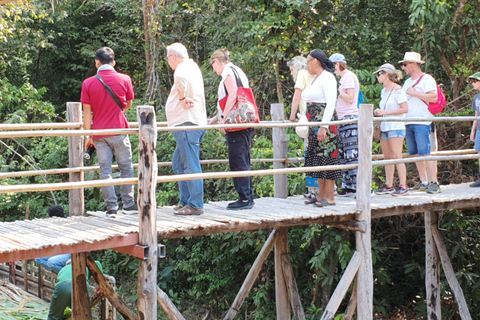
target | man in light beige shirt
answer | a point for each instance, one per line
(186, 107)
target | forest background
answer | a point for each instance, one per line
(47, 49)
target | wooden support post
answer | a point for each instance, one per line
(280, 147)
(351, 307)
(40, 282)
(252, 276)
(147, 212)
(75, 158)
(342, 287)
(432, 269)
(295, 301)
(25, 275)
(450, 275)
(363, 240)
(281, 294)
(80, 301)
(168, 306)
(108, 291)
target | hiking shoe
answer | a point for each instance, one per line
(400, 192)
(131, 210)
(476, 184)
(346, 192)
(419, 187)
(385, 190)
(111, 212)
(241, 205)
(434, 188)
(188, 211)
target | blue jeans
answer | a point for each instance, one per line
(54, 263)
(186, 159)
(387, 135)
(239, 159)
(121, 148)
(418, 139)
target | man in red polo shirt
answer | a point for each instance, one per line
(100, 111)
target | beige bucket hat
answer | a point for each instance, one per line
(412, 57)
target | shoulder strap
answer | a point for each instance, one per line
(110, 92)
(418, 81)
(237, 77)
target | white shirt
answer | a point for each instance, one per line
(221, 87)
(187, 78)
(416, 107)
(303, 80)
(323, 89)
(391, 101)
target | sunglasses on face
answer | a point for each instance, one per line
(380, 73)
(405, 64)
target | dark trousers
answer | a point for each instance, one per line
(239, 159)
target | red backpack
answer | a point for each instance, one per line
(439, 105)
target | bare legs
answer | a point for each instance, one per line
(392, 149)
(326, 190)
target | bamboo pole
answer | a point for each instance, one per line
(450, 275)
(363, 240)
(108, 291)
(281, 293)
(280, 148)
(432, 268)
(80, 301)
(292, 289)
(251, 276)
(342, 287)
(168, 306)
(76, 200)
(147, 208)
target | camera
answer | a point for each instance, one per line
(87, 155)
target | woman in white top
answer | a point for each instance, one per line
(302, 78)
(321, 97)
(238, 141)
(392, 104)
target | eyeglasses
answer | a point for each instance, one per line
(168, 56)
(380, 73)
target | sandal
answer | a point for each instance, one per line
(324, 203)
(311, 200)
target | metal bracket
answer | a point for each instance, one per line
(162, 251)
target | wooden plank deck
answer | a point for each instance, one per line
(27, 239)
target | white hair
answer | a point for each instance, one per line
(177, 49)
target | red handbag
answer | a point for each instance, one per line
(439, 105)
(245, 109)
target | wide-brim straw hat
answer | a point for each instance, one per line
(412, 57)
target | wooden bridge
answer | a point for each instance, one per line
(138, 235)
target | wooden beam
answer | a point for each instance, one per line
(251, 276)
(281, 293)
(363, 240)
(76, 200)
(293, 295)
(168, 306)
(108, 291)
(280, 148)
(80, 301)
(352, 304)
(342, 287)
(147, 212)
(432, 269)
(450, 274)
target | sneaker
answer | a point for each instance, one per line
(111, 212)
(476, 184)
(346, 192)
(188, 211)
(241, 205)
(419, 187)
(385, 190)
(131, 210)
(434, 188)
(400, 192)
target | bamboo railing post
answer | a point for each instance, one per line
(147, 212)
(280, 146)
(75, 158)
(432, 268)
(80, 301)
(363, 240)
(281, 293)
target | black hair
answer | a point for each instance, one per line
(55, 211)
(326, 63)
(105, 55)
